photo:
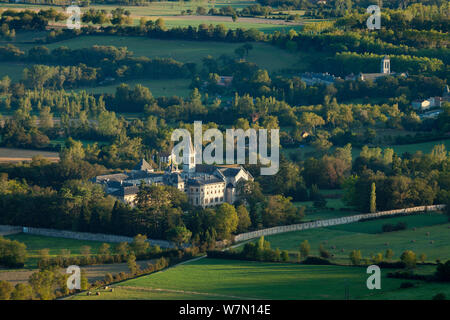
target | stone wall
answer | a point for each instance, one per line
(240, 237)
(7, 230)
(83, 235)
(333, 222)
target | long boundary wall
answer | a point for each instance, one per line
(7, 230)
(333, 222)
(81, 235)
(240, 237)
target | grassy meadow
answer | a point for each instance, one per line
(35, 243)
(366, 236)
(182, 50)
(231, 279)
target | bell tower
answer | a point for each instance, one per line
(189, 159)
(385, 65)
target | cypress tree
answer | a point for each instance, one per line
(373, 199)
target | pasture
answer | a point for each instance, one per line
(185, 51)
(366, 236)
(35, 243)
(13, 70)
(232, 279)
(158, 88)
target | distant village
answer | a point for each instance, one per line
(428, 108)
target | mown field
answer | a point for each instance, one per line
(427, 233)
(219, 279)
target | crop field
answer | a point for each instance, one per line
(233, 279)
(15, 155)
(93, 273)
(428, 234)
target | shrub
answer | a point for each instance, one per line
(316, 261)
(405, 285)
(408, 257)
(443, 272)
(323, 252)
(440, 296)
(388, 227)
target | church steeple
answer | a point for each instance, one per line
(385, 65)
(189, 159)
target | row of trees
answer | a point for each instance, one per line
(90, 66)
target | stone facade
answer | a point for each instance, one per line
(205, 185)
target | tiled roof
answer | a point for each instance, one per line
(143, 166)
(204, 181)
(125, 191)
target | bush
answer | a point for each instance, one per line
(440, 296)
(389, 227)
(405, 285)
(12, 253)
(443, 272)
(316, 261)
(324, 252)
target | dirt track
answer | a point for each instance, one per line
(16, 155)
(93, 273)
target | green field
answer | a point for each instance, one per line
(13, 70)
(35, 243)
(340, 240)
(425, 147)
(158, 88)
(247, 280)
(266, 27)
(141, 294)
(171, 13)
(184, 51)
(162, 8)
